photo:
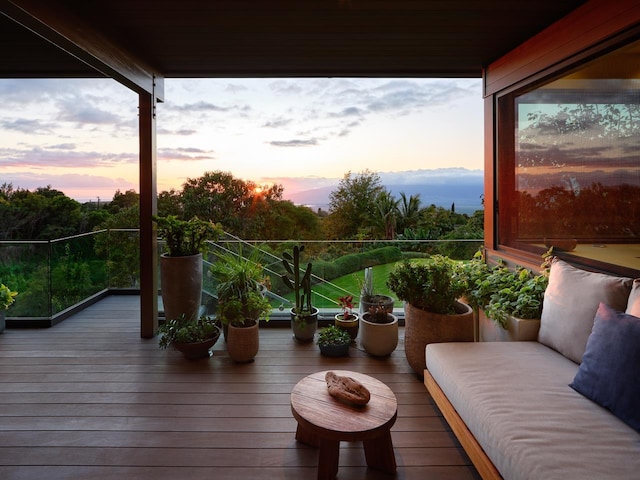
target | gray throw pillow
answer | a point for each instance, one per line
(570, 304)
(633, 305)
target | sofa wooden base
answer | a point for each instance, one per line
(476, 454)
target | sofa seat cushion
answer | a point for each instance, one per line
(515, 399)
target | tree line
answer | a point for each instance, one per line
(360, 208)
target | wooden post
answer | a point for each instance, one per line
(148, 208)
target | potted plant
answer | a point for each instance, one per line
(433, 312)
(379, 331)
(334, 341)
(241, 287)
(194, 338)
(7, 297)
(347, 320)
(304, 316)
(368, 296)
(514, 308)
(181, 264)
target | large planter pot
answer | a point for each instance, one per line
(379, 339)
(243, 343)
(304, 328)
(518, 329)
(351, 326)
(423, 328)
(181, 285)
(196, 350)
(2, 321)
(366, 303)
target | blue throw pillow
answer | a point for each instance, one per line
(610, 370)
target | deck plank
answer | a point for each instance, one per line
(88, 398)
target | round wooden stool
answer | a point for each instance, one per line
(324, 422)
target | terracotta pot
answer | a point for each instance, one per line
(181, 285)
(304, 328)
(379, 339)
(422, 328)
(243, 343)
(351, 326)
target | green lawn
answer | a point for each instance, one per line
(326, 296)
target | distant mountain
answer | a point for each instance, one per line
(440, 187)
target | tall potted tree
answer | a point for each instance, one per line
(304, 316)
(241, 287)
(433, 312)
(181, 264)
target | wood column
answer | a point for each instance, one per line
(148, 208)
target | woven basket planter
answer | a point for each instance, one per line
(423, 328)
(243, 343)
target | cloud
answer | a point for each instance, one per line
(182, 132)
(44, 157)
(200, 106)
(23, 125)
(294, 143)
(191, 154)
(278, 122)
(82, 113)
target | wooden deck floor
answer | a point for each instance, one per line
(90, 399)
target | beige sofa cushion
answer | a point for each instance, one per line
(633, 305)
(570, 304)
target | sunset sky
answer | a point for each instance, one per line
(81, 136)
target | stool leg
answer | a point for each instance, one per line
(379, 453)
(328, 458)
(306, 437)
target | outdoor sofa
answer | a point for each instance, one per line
(516, 407)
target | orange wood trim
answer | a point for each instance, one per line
(70, 33)
(593, 22)
(483, 464)
(489, 174)
(148, 208)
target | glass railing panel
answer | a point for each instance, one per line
(338, 266)
(121, 248)
(78, 270)
(24, 268)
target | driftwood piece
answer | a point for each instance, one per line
(347, 390)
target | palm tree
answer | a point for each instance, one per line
(386, 210)
(408, 211)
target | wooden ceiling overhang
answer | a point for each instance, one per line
(139, 42)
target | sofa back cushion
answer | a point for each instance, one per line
(633, 305)
(570, 304)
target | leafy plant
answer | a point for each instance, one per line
(433, 286)
(180, 330)
(300, 284)
(7, 297)
(379, 313)
(333, 335)
(481, 280)
(521, 296)
(245, 311)
(346, 304)
(186, 237)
